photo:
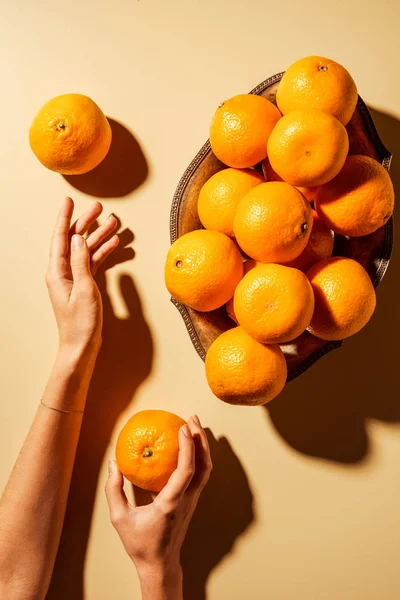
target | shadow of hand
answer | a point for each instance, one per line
(124, 362)
(224, 512)
(323, 413)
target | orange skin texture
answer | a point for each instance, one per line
(247, 265)
(317, 82)
(273, 222)
(240, 370)
(70, 134)
(203, 269)
(320, 246)
(344, 298)
(147, 448)
(240, 130)
(308, 147)
(271, 175)
(273, 303)
(359, 200)
(220, 196)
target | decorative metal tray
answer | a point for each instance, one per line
(372, 251)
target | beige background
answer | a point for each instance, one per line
(304, 500)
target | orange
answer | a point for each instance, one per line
(148, 447)
(344, 298)
(240, 370)
(240, 130)
(274, 303)
(247, 265)
(317, 82)
(273, 222)
(203, 269)
(70, 134)
(220, 195)
(320, 245)
(308, 147)
(359, 200)
(271, 175)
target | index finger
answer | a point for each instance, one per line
(180, 479)
(59, 242)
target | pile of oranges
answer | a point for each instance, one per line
(269, 222)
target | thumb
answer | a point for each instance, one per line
(116, 498)
(80, 259)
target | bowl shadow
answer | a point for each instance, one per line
(123, 170)
(324, 412)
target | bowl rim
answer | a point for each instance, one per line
(386, 159)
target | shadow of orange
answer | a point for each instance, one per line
(323, 413)
(122, 171)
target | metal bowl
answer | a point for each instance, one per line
(372, 251)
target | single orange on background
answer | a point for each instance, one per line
(273, 222)
(317, 82)
(220, 196)
(240, 370)
(203, 269)
(273, 303)
(271, 175)
(240, 130)
(320, 246)
(148, 447)
(308, 147)
(359, 200)
(70, 134)
(345, 298)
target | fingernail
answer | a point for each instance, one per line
(111, 467)
(196, 420)
(111, 215)
(186, 431)
(77, 241)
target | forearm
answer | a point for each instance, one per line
(33, 505)
(161, 583)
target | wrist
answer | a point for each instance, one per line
(162, 580)
(77, 358)
(70, 378)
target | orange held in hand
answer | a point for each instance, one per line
(273, 222)
(317, 82)
(70, 134)
(359, 200)
(240, 370)
(240, 130)
(344, 298)
(203, 269)
(273, 303)
(308, 147)
(220, 196)
(148, 447)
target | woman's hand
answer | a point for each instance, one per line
(153, 535)
(73, 262)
